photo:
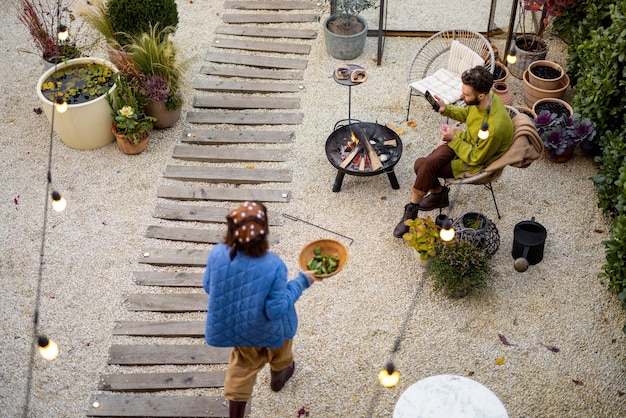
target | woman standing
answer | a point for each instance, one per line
(251, 305)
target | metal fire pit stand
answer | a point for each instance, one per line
(377, 135)
(347, 82)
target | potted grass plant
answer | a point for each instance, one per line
(156, 60)
(345, 31)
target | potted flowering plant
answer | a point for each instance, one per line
(423, 236)
(562, 133)
(131, 126)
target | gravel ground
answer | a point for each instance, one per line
(349, 323)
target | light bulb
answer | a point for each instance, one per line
(447, 235)
(48, 349)
(511, 57)
(61, 105)
(63, 33)
(484, 131)
(388, 377)
(58, 202)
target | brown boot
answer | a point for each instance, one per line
(280, 378)
(410, 212)
(236, 409)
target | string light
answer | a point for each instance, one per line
(389, 376)
(484, 131)
(446, 233)
(511, 57)
(58, 202)
(63, 33)
(61, 105)
(48, 349)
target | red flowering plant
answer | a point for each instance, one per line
(548, 9)
(560, 132)
(44, 19)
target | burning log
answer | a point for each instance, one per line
(360, 135)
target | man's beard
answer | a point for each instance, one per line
(474, 102)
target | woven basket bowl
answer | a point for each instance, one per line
(328, 247)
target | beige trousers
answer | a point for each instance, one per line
(246, 362)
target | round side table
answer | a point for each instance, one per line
(348, 82)
(448, 396)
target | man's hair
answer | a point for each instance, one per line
(479, 78)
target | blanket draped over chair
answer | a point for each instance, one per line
(527, 146)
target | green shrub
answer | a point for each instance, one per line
(460, 267)
(134, 17)
(615, 267)
(611, 177)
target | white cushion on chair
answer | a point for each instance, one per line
(462, 58)
(443, 83)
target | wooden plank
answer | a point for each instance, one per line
(227, 174)
(245, 87)
(204, 236)
(154, 302)
(146, 382)
(155, 354)
(232, 136)
(222, 193)
(139, 405)
(271, 5)
(260, 32)
(174, 257)
(237, 117)
(263, 46)
(164, 278)
(257, 61)
(243, 102)
(246, 72)
(221, 154)
(197, 213)
(238, 18)
(160, 328)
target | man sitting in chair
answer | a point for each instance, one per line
(460, 152)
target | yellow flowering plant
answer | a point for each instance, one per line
(129, 118)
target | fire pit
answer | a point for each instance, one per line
(364, 149)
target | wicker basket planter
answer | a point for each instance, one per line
(525, 58)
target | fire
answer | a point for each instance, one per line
(352, 142)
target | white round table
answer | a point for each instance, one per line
(448, 396)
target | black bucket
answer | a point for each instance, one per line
(529, 238)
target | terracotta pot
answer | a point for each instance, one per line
(502, 69)
(563, 158)
(502, 89)
(537, 105)
(531, 113)
(524, 57)
(165, 118)
(128, 147)
(545, 83)
(532, 93)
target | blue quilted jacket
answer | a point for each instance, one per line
(251, 303)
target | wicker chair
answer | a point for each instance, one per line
(487, 177)
(438, 64)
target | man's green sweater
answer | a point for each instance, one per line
(473, 154)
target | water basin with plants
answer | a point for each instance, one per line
(78, 84)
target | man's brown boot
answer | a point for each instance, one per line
(236, 409)
(410, 212)
(280, 378)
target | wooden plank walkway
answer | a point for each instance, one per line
(250, 81)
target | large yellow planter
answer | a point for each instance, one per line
(85, 125)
